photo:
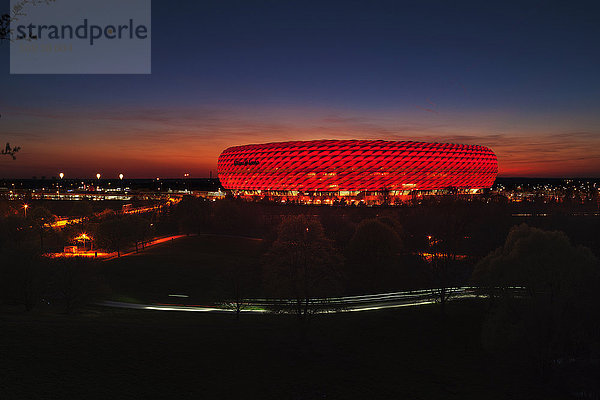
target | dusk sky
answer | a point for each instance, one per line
(523, 80)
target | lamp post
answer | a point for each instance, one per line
(25, 206)
(61, 176)
(121, 188)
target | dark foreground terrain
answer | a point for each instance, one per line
(409, 353)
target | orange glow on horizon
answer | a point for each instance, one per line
(185, 141)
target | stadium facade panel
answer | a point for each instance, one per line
(356, 165)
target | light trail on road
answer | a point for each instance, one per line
(369, 302)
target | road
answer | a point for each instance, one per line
(104, 256)
(61, 222)
(150, 243)
(371, 302)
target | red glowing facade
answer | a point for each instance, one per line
(355, 166)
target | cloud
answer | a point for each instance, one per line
(175, 138)
(426, 109)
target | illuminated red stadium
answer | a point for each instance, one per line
(356, 166)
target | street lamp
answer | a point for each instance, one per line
(121, 176)
(61, 176)
(98, 176)
(25, 206)
(186, 177)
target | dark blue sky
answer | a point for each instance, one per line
(520, 78)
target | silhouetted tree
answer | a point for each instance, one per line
(18, 9)
(373, 256)
(192, 215)
(234, 217)
(386, 196)
(107, 214)
(237, 281)
(4, 27)
(10, 151)
(137, 228)
(449, 233)
(391, 221)
(41, 219)
(338, 227)
(555, 316)
(302, 264)
(113, 235)
(541, 261)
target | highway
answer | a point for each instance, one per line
(371, 302)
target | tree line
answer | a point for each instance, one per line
(109, 231)
(540, 285)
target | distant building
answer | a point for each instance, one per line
(355, 168)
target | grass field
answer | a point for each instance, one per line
(409, 353)
(196, 266)
(104, 353)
